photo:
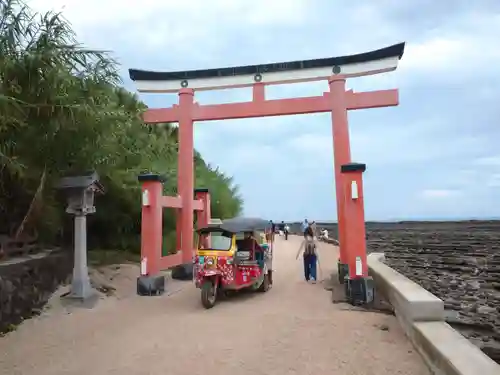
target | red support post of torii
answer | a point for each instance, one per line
(203, 217)
(338, 101)
(358, 286)
(151, 281)
(341, 155)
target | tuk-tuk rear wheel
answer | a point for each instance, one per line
(208, 294)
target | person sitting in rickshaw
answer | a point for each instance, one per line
(249, 243)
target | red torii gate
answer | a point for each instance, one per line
(338, 101)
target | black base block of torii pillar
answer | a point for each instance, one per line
(183, 272)
(342, 271)
(360, 290)
(151, 285)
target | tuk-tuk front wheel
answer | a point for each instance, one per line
(208, 294)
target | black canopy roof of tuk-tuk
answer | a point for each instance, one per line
(239, 224)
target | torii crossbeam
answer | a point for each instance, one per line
(338, 101)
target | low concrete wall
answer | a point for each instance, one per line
(410, 301)
(458, 262)
(421, 314)
(27, 283)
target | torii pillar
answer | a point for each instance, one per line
(341, 156)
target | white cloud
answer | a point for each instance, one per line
(412, 143)
(488, 161)
(174, 26)
(311, 145)
(450, 47)
(116, 12)
(462, 50)
(415, 142)
(435, 54)
(439, 193)
(250, 155)
(265, 129)
(464, 178)
(494, 181)
(449, 55)
(486, 173)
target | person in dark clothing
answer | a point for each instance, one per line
(248, 243)
(286, 230)
(282, 226)
(304, 226)
(310, 255)
(273, 229)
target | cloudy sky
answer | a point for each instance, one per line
(437, 155)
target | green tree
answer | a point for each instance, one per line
(62, 110)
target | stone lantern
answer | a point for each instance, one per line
(80, 191)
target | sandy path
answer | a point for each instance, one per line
(294, 328)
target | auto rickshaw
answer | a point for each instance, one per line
(232, 256)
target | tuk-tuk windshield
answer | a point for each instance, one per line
(219, 241)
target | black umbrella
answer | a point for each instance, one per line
(244, 224)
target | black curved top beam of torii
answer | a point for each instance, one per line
(368, 63)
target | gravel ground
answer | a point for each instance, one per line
(294, 328)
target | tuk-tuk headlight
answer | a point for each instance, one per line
(210, 261)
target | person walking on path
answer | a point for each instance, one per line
(304, 226)
(310, 256)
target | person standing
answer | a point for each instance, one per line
(286, 231)
(273, 226)
(281, 228)
(313, 226)
(304, 226)
(273, 230)
(310, 256)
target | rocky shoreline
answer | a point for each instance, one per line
(458, 262)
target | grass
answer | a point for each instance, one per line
(100, 257)
(8, 329)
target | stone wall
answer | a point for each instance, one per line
(26, 284)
